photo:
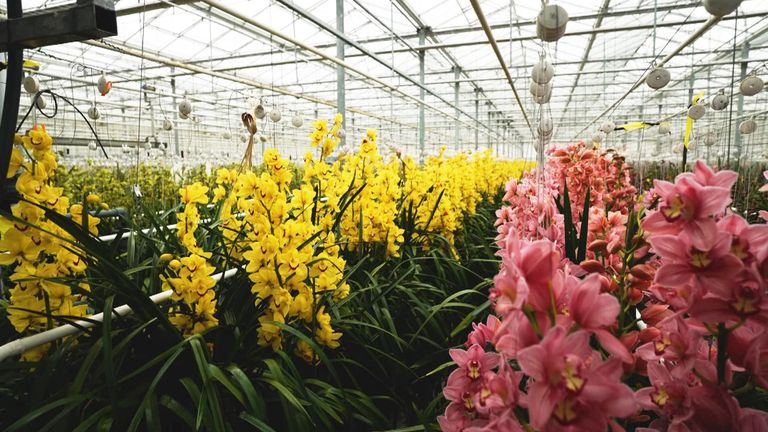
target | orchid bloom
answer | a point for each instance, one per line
(705, 263)
(571, 385)
(595, 312)
(668, 396)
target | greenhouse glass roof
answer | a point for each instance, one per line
(225, 62)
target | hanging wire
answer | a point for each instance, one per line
(54, 98)
(137, 191)
(733, 81)
(655, 56)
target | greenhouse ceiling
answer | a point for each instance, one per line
(224, 56)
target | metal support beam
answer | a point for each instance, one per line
(164, 4)
(492, 41)
(175, 130)
(601, 13)
(124, 49)
(422, 94)
(477, 115)
(389, 87)
(290, 5)
(457, 131)
(340, 72)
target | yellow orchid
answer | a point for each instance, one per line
(194, 193)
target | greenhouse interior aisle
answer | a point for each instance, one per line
(359, 215)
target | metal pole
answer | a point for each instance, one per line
(422, 94)
(175, 129)
(477, 116)
(740, 109)
(488, 104)
(457, 136)
(340, 71)
(12, 89)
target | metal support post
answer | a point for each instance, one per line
(457, 132)
(488, 104)
(477, 116)
(175, 129)
(340, 71)
(422, 94)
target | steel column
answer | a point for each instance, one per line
(340, 71)
(457, 132)
(477, 116)
(175, 129)
(422, 94)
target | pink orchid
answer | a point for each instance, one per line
(668, 396)
(555, 366)
(517, 333)
(687, 206)
(677, 344)
(594, 312)
(454, 419)
(706, 176)
(747, 299)
(714, 409)
(705, 263)
(500, 393)
(481, 333)
(752, 420)
(750, 242)
(503, 421)
(571, 385)
(528, 270)
(764, 188)
(756, 359)
(473, 363)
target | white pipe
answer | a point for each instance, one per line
(110, 237)
(19, 346)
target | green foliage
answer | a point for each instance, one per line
(138, 373)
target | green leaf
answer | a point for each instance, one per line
(253, 421)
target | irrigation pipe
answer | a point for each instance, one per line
(19, 346)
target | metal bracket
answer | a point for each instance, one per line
(86, 19)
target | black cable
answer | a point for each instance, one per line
(54, 96)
